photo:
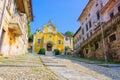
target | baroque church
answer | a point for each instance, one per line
(48, 38)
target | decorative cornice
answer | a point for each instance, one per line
(86, 10)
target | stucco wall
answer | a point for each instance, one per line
(46, 37)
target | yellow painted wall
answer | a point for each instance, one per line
(36, 45)
(60, 46)
(45, 36)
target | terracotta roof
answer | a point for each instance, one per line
(31, 10)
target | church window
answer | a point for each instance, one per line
(38, 41)
(50, 36)
(59, 41)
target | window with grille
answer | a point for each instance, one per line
(90, 24)
(98, 15)
(90, 33)
(119, 8)
(86, 51)
(86, 27)
(111, 15)
(82, 31)
(112, 38)
(87, 35)
(96, 46)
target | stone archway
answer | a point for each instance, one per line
(49, 47)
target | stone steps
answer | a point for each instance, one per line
(49, 53)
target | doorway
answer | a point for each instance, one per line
(49, 47)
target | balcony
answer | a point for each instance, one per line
(25, 6)
(16, 24)
(106, 27)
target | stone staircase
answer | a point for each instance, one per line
(49, 53)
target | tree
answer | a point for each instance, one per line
(57, 51)
(30, 38)
(69, 34)
(29, 30)
(67, 50)
(42, 51)
(67, 47)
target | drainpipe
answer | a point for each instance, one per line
(1, 19)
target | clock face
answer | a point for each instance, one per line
(50, 28)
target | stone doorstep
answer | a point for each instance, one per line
(11, 65)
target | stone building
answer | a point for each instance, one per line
(69, 41)
(68, 44)
(90, 14)
(77, 40)
(49, 39)
(15, 15)
(101, 39)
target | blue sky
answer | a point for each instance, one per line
(63, 13)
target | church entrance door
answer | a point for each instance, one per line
(49, 47)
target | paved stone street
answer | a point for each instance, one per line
(71, 70)
(34, 67)
(110, 70)
(24, 67)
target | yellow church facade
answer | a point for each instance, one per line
(49, 39)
